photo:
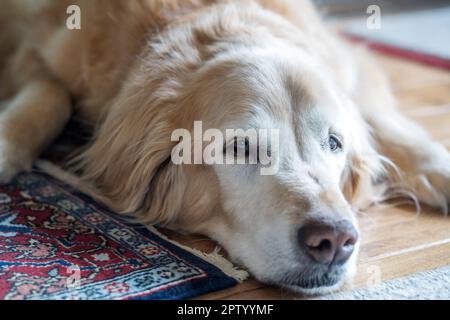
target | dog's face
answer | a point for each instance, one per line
(293, 227)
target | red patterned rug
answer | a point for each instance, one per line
(56, 243)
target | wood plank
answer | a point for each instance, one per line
(424, 96)
(406, 75)
(402, 265)
(397, 229)
(435, 119)
(250, 285)
(267, 293)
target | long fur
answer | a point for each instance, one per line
(137, 70)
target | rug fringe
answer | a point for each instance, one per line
(214, 258)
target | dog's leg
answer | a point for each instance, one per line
(424, 164)
(29, 122)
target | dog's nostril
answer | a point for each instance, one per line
(343, 252)
(327, 242)
(323, 245)
(350, 242)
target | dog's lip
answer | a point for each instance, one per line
(310, 283)
(315, 290)
(326, 282)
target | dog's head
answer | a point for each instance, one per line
(294, 226)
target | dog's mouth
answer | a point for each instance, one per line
(314, 281)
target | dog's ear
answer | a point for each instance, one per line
(165, 195)
(359, 180)
(353, 179)
(128, 162)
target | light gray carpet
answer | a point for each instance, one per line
(429, 285)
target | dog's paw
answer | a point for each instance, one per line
(7, 171)
(11, 162)
(432, 183)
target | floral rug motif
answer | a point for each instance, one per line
(56, 243)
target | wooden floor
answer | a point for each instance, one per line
(395, 241)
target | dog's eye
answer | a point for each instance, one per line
(242, 145)
(237, 148)
(334, 143)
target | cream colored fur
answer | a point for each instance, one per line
(139, 69)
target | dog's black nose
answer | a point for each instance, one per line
(328, 241)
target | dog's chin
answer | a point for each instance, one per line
(320, 290)
(315, 283)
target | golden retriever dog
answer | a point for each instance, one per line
(138, 70)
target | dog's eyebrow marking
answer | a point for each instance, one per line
(302, 114)
(298, 94)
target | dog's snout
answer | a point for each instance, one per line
(328, 241)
